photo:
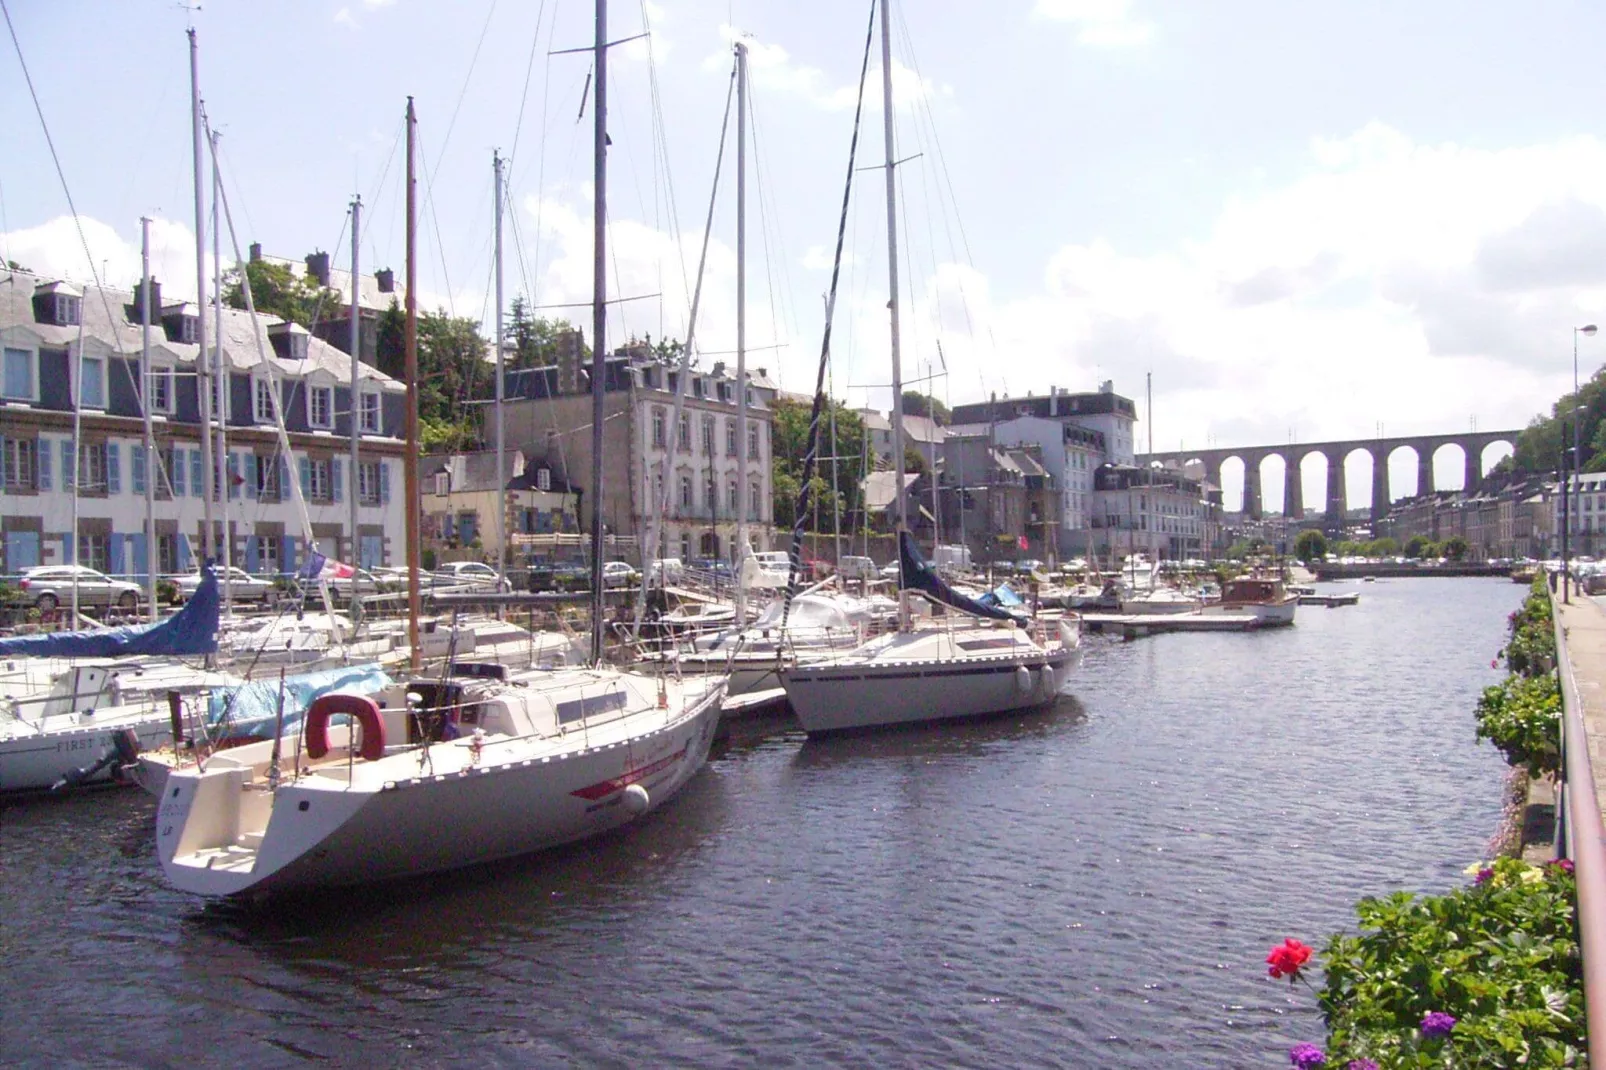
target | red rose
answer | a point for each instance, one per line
(1286, 958)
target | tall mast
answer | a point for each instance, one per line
(75, 387)
(356, 383)
(743, 500)
(410, 461)
(501, 442)
(203, 378)
(145, 406)
(220, 381)
(599, 311)
(902, 513)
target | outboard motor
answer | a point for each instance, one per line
(123, 753)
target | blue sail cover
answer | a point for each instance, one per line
(920, 576)
(192, 630)
(252, 708)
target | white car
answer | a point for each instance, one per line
(243, 586)
(619, 574)
(475, 575)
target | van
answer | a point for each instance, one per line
(665, 570)
(856, 568)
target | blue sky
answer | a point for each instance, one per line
(1303, 219)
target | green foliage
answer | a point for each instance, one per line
(1387, 546)
(1531, 650)
(790, 441)
(1310, 545)
(1246, 548)
(278, 291)
(917, 404)
(1454, 548)
(1419, 546)
(535, 339)
(1500, 956)
(166, 591)
(1521, 716)
(914, 462)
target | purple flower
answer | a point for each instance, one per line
(1484, 874)
(1437, 1024)
(1563, 864)
(1306, 1056)
(1361, 1064)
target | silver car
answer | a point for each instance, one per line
(245, 587)
(49, 586)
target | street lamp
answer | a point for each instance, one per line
(1567, 485)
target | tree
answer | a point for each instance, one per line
(534, 338)
(917, 404)
(1418, 546)
(1310, 545)
(790, 441)
(1383, 547)
(390, 354)
(914, 462)
(451, 360)
(278, 291)
(1454, 548)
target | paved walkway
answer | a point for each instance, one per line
(1584, 627)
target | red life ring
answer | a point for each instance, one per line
(359, 707)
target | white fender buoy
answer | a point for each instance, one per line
(1048, 681)
(1023, 680)
(636, 799)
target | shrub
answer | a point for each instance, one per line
(1521, 716)
(1485, 976)
(1532, 647)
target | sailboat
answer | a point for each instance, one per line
(450, 771)
(939, 667)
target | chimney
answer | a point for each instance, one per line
(318, 267)
(763, 373)
(256, 251)
(387, 280)
(719, 368)
(1053, 401)
(570, 346)
(133, 308)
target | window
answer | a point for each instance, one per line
(443, 483)
(685, 492)
(92, 383)
(317, 485)
(731, 501)
(92, 467)
(268, 554)
(708, 436)
(17, 377)
(543, 479)
(370, 412)
(368, 482)
(263, 392)
(320, 406)
(268, 486)
(162, 390)
(658, 427)
(68, 310)
(709, 497)
(17, 464)
(752, 442)
(730, 438)
(755, 510)
(170, 475)
(92, 551)
(188, 326)
(167, 553)
(220, 396)
(685, 433)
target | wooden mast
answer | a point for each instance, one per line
(410, 461)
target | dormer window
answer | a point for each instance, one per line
(262, 404)
(370, 412)
(443, 483)
(543, 479)
(68, 310)
(92, 383)
(162, 390)
(298, 346)
(188, 328)
(320, 403)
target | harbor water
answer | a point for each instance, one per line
(1094, 885)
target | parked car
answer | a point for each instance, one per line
(49, 586)
(665, 570)
(619, 574)
(857, 568)
(559, 576)
(245, 587)
(475, 575)
(889, 571)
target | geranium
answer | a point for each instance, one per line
(1437, 1024)
(1286, 958)
(1305, 1056)
(1563, 864)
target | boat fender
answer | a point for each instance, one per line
(1048, 681)
(1023, 679)
(359, 707)
(636, 799)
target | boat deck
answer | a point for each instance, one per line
(1137, 625)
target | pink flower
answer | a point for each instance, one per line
(1286, 959)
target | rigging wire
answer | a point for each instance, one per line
(463, 92)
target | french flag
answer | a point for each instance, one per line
(319, 567)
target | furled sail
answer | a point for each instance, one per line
(192, 630)
(918, 575)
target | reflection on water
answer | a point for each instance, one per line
(1091, 884)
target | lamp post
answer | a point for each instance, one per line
(1577, 461)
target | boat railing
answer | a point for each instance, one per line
(1583, 840)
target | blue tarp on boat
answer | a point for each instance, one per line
(190, 631)
(1002, 595)
(920, 576)
(251, 709)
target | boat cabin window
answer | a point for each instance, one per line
(439, 713)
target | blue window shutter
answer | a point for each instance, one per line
(114, 553)
(251, 554)
(138, 466)
(114, 468)
(234, 470)
(198, 480)
(289, 556)
(186, 557)
(69, 470)
(334, 476)
(384, 482)
(306, 478)
(251, 463)
(176, 475)
(43, 453)
(284, 480)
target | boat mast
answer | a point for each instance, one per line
(410, 461)
(356, 386)
(221, 383)
(75, 385)
(901, 513)
(203, 378)
(145, 404)
(501, 442)
(743, 500)
(599, 311)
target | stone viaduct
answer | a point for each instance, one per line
(1472, 444)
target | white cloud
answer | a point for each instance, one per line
(771, 67)
(344, 17)
(54, 249)
(1101, 23)
(374, 4)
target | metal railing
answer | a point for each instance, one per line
(1583, 840)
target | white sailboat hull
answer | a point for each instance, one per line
(35, 761)
(398, 819)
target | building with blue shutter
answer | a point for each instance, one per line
(277, 369)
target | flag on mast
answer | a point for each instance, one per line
(319, 567)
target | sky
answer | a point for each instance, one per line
(1305, 222)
